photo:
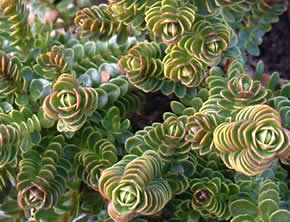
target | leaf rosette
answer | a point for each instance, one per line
(200, 128)
(207, 41)
(169, 20)
(173, 145)
(143, 66)
(11, 79)
(69, 103)
(127, 197)
(174, 129)
(211, 195)
(129, 12)
(52, 64)
(179, 66)
(253, 140)
(96, 21)
(134, 186)
(44, 174)
(242, 91)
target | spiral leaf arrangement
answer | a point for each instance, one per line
(211, 5)
(207, 41)
(101, 154)
(16, 129)
(168, 139)
(133, 184)
(11, 80)
(130, 102)
(253, 140)
(96, 21)
(200, 128)
(218, 157)
(179, 66)
(16, 14)
(143, 66)
(267, 10)
(10, 137)
(69, 103)
(43, 175)
(173, 145)
(52, 64)
(129, 12)
(208, 196)
(166, 19)
(242, 91)
(258, 21)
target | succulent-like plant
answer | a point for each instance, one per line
(268, 196)
(200, 129)
(169, 20)
(206, 41)
(15, 15)
(143, 66)
(80, 139)
(69, 103)
(253, 140)
(52, 64)
(96, 21)
(11, 80)
(180, 66)
(242, 91)
(210, 196)
(133, 184)
(40, 185)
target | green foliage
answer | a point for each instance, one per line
(96, 21)
(264, 205)
(253, 140)
(10, 76)
(132, 188)
(210, 196)
(14, 18)
(71, 71)
(169, 20)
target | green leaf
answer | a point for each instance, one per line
(177, 107)
(243, 218)
(45, 122)
(274, 82)
(112, 91)
(239, 207)
(285, 91)
(252, 48)
(168, 87)
(122, 36)
(216, 71)
(259, 70)
(47, 215)
(27, 73)
(189, 111)
(280, 216)
(269, 194)
(10, 208)
(180, 90)
(266, 207)
(22, 100)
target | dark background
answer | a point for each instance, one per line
(275, 49)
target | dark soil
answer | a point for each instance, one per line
(275, 49)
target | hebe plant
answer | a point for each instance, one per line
(67, 149)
